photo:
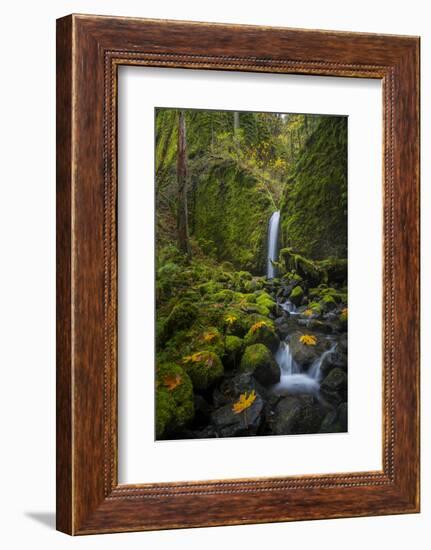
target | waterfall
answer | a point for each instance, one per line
(314, 370)
(274, 223)
(292, 380)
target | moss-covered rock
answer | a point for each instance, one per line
(204, 369)
(258, 359)
(304, 267)
(262, 332)
(210, 339)
(225, 296)
(174, 399)
(232, 210)
(296, 295)
(233, 351)
(264, 300)
(314, 202)
(181, 317)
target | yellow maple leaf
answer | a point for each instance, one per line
(344, 312)
(244, 402)
(308, 312)
(198, 357)
(258, 325)
(308, 340)
(172, 381)
(209, 336)
(230, 319)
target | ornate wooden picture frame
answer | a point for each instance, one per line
(89, 51)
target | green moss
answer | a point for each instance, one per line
(232, 209)
(210, 339)
(304, 267)
(262, 333)
(182, 316)
(165, 408)
(224, 295)
(296, 295)
(256, 356)
(316, 307)
(204, 368)
(174, 398)
(314, 203)
(328, 302)
(210, 287)
(265, 300)
(233, 350)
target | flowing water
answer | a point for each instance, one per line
(292, 380)
(274, 223)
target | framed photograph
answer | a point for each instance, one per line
(237, 274)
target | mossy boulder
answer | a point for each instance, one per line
(328, 302)
(263, 332)
(314, 201)
(181, 317)
(224, 296)
(296, 295)
(258, 359)
(204, 369)
(335, 270)
(264, 300)
(233, 351)
(305, 268)
(210, 339)
(174, 399)
(165, 408)
(302, 414)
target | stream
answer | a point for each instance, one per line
(292, 379)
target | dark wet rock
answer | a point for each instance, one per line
(297, 415)
(334, 386)
(228, 423)
(342, 415)
(335, 420)
(283, 330)
(343, 344)
(333, 360)
(202, 410)
(305, 354)
(209, 432)
(316, 325)
(231, 388)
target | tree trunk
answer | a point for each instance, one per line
(236, 121)
(182, 214)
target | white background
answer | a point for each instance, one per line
(141, 459)
(27, 276)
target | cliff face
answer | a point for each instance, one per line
(314, 202)
(230, 218)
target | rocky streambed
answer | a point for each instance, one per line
(283, 364)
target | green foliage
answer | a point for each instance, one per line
(232, 211)
(174, 398)
(314, 205)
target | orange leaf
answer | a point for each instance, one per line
(171, 382)
(244, 402)
(308, 340)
